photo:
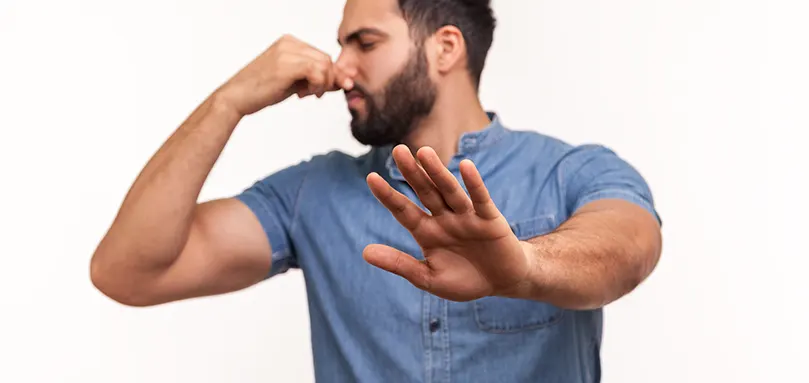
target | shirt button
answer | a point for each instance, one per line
(435, 324)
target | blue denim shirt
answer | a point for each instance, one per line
(369, 325)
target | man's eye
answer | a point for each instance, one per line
(366, 46)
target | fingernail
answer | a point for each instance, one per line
(348, 83)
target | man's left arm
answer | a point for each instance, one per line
(610, 243)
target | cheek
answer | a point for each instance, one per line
(379, 66)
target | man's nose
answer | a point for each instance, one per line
(346, 63)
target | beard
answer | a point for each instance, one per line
(393, 113)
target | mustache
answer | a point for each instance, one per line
(358, 90)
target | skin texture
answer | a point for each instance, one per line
(164, 246)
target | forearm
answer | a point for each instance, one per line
(154, 220)
(594, 258)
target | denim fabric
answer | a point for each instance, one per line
(368, 325)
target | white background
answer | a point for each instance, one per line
(707, 98)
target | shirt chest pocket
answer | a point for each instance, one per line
(502, 315)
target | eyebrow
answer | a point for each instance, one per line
(356, 35)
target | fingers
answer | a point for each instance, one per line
(437, 187)
(481, 200)
(418, 180)
(334, 78)
(316, 65)
(399, 263)
(326, 77)
(319, 78)
(343, 80)
(321, 75)
(445, 182)
(404, 210)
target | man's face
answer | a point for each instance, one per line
(393, 88)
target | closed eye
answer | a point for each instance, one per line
(360, 37)
(366, 46)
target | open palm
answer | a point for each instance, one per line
(469, 248)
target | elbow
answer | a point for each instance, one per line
(648, 257)
(116, 286)
(637, 270)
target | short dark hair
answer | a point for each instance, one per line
(474, 18)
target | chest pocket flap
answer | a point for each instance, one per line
(502, 315)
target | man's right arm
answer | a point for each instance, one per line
(163, 246)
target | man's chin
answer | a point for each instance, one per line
(357, 116)
(357, 125)
(365, 137)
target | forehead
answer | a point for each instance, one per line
(383, 15)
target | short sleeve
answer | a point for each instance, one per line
(593, 172)
(274, 200)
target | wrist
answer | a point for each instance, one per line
(536, 281)
(224, 106)
(224, 100)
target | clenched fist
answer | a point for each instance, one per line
(289, 66)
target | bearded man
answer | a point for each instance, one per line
(455, 249)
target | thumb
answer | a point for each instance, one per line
(399, 263)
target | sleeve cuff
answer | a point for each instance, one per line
(620, 194)
(279, 245)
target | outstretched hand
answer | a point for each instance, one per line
(469, 249)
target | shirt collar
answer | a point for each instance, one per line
(468, 143)
(474, 141)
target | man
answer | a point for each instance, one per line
(456, 249)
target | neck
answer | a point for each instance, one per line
(454, 114)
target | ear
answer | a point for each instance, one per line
(450, 48)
